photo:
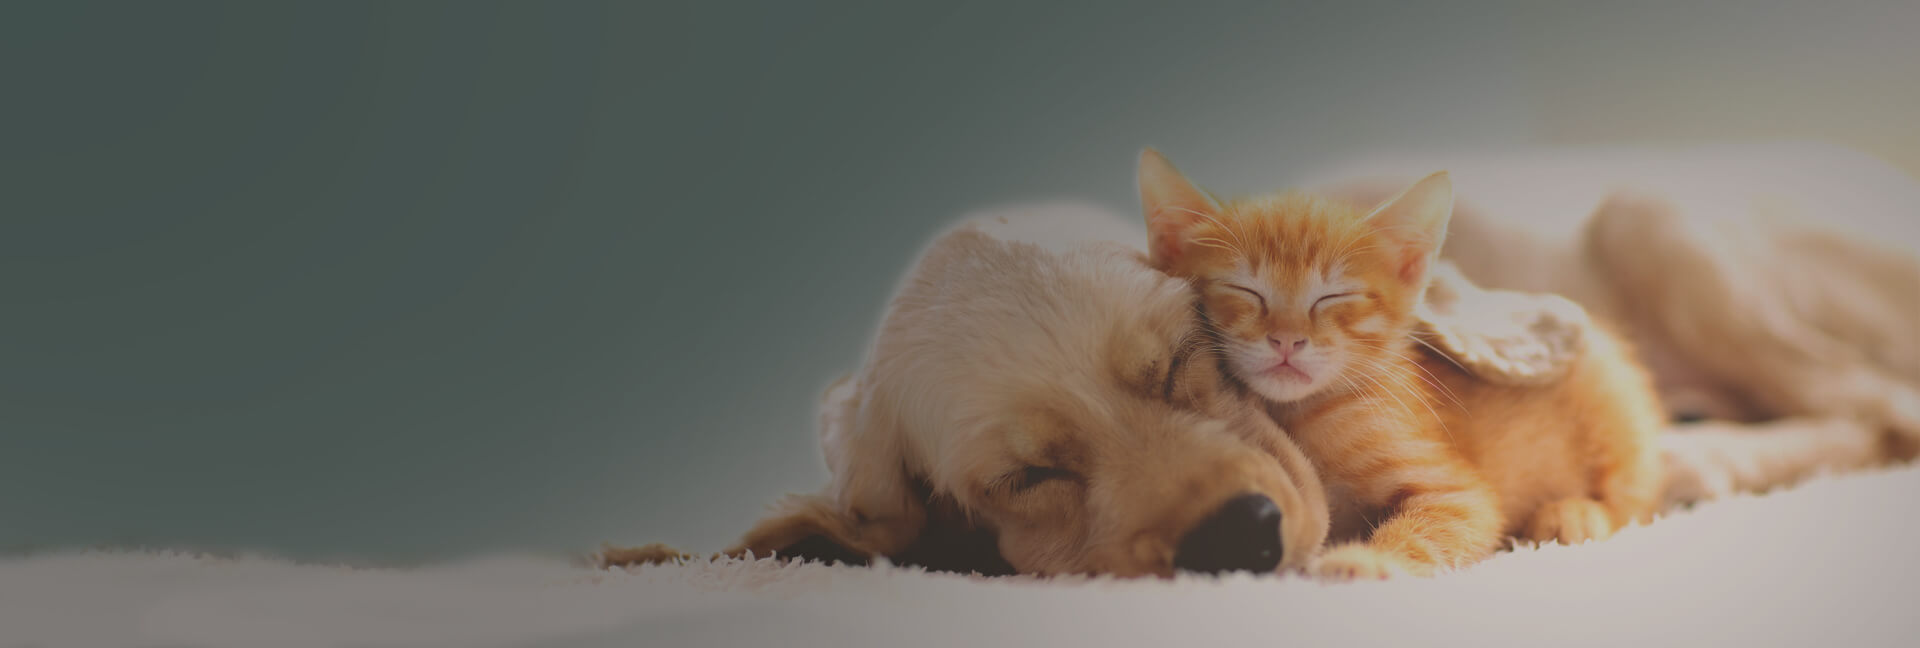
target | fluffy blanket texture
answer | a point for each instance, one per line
(1828, 563)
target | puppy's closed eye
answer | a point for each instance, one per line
(1030, 477)
(1173, 374)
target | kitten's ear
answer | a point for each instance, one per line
(1416, 220)
(1173, 207)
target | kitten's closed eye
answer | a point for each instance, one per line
(1250, 291)
(1333, 299)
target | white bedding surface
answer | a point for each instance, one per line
(1831, 562)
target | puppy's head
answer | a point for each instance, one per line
(1149, 465)
(1071, 417)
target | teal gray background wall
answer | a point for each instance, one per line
(407, 282)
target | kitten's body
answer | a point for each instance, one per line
(1315, 303)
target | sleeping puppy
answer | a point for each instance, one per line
(1772, 289)
(1038, 400)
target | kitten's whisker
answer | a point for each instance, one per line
(1366, 395)
(1347, 254)
(1369, 377)
(1431, 379)
(1382, 369)
(1437, 351)
(1216, 244)
(1222, 226)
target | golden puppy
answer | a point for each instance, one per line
(1040, 401)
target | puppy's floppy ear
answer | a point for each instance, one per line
(806, 527)
(873, 507)
(870, 485)
(1502, 336)
(870, 509)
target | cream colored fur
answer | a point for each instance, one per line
(1505, 337)
(1771, 288)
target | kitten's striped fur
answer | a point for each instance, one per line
(1313, 302)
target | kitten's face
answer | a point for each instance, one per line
(1295, 319)
(1306, 294)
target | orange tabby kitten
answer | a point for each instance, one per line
(1314, 304)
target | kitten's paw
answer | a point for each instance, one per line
(1355, 562)
(1571, 521)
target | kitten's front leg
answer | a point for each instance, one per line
(1428, 530)
(1355, 561)
(1570, 521)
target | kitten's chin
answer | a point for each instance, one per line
(1283, 389)
(1275, 382)
(1282, 384)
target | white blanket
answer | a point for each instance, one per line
(1829, 563)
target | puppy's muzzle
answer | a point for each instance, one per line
(1244, 534)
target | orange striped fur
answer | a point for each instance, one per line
(1313, 305)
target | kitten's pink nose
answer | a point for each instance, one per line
(1287, 345)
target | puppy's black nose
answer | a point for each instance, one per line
(1243, 534)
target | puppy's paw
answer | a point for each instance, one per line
(1571, 521)
(1902, 420)
(1693, 474)
(653, 554)
(1356, 562)
(1692, 484)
